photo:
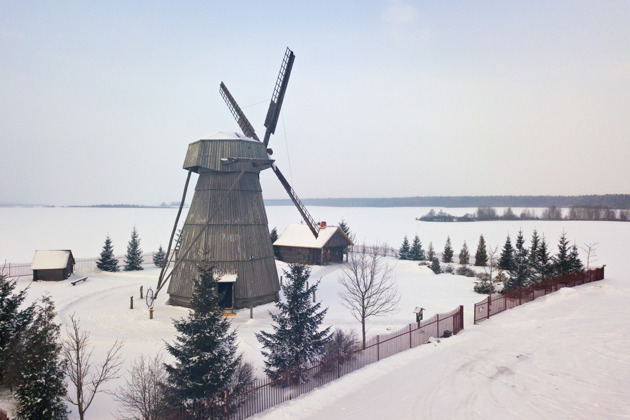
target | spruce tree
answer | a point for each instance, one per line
(561, 261)
(133, 259)
(416, 252)
(159, 258)
(520, 275)
(430, 252)
(297, 337)
(205, 349)
(41, 387)
(13, 322)
(435, 265)
(464, 255)
(534, 267)
(574, 259)
(346, 229)
(481, 256)
(447, 255)
(506, 260)
(545, 264)
(273, 235)
(107, 261)
(403, 252)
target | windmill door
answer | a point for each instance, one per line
(226, 291)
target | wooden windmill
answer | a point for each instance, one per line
(227, 222)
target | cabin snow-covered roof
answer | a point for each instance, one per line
(301, 236)
(51, 260)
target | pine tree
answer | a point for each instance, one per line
(403, 252)
(574, 259)
(107, 261)
(561, 261)
(464, 255)
(435, 265)
(430, 252)
(273, 235)
(447, 255)
(205, 349)
(41, 387)
(416, 253)
(545, 265)
(520, 274)
(297, 338)
(506, 260)
(481, 256)
(346, 229)
(159, 258)
(534, 266)
(133, 259)
(13, 322)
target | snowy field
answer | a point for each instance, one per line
(562, 356)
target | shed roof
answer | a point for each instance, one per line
(51, 260)
(301, 236)
(228, 135)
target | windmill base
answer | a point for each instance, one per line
(238, 303)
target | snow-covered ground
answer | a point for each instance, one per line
(562, 356)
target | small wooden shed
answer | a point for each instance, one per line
(52, 265)
(298, 245)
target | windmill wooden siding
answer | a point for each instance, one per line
(52, 265)
(296, 245)
(227, 223)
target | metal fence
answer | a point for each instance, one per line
(497, 303)
(266, 393)
(81, 265)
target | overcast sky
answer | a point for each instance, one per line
(99, 100)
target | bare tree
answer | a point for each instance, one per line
(368, 285)
(591, 253)
(143, 395)
(87, 381)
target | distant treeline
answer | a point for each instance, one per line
(611, 201)
(550, 213)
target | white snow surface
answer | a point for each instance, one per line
(564, 356)
(50, 260)
(300, 235)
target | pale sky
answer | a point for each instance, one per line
(99, 100)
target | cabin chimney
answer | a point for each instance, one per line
(322, 225)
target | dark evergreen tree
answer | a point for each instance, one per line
(464, 255)
(159, 258)
(545, 264)
(447, 255)
(561, 261)
(205, 350)
(481, 256)
(41, 388)
(405, 248)
(107, 261)
(534, 266)
(506, 260)
(435, 266)
(274, 235)
(520, 275)
(430, 252)
(297, 337)
(13, 322)
(133, 259)
(346, 229)
(574, 259)
(416, 252)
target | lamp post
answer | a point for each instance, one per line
(419, 314)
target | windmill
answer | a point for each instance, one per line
(227, 222)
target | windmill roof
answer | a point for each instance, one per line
(50, 260)
(227, 135)
(301, 236)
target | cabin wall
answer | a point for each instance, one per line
(310, 256)
(50, 275)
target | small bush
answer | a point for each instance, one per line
(449, 269)
(435, 266)
(343, 346)
(482, 287)
(466, 271)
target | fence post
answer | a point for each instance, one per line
(378, 347)
(338, 363)
(461, 316)
(489, 303)
(438, 326)
(131, 303)
(409, 335)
